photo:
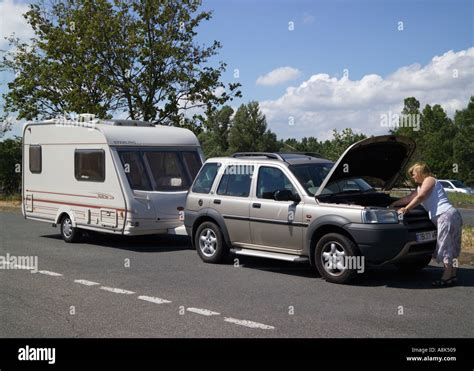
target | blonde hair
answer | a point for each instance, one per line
(421, 168)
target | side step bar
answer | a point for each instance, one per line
(270, 255)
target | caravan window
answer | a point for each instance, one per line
(35, 159)
(167, 171)
(134, 168)
(193, 163)
(89, 165)
(152, 169)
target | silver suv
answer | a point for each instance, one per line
(299, 207)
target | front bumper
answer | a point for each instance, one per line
(389, 243)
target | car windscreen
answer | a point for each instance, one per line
(352, 185)
(311, 175)
(458, 184)
(160, 170)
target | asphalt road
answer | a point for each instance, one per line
(171, 293)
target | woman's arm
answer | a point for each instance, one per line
(425, 189)
(405, 200)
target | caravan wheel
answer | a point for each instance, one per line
(68, 232)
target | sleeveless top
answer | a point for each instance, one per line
(437, 201)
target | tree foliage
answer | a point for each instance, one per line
(101, 57)
(10, 165)
(331, 149)
(463, 142)
(249, 131)
(215, 136)
(447, 146)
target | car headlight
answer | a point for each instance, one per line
(379, 216)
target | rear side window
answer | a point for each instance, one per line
(205, 178)
(89, 165)
(35, 159)
(236, 181)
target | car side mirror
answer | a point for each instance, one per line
(296, 198)
(286, 195)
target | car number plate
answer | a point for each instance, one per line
(426, 236)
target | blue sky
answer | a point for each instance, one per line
(384, 64)
(330, 36)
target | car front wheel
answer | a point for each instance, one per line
(337, 258)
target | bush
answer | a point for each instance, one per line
(10, 166)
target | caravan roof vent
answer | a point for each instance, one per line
(127, 123)
(85, 117)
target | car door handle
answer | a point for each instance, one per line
(217, 202)
(256, 205)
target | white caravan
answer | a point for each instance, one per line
(120, 176)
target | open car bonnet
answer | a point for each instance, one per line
(383, 158)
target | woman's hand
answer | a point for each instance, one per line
(402, 210)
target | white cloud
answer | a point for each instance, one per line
(278, 76)
(323, 103)
(12, 21)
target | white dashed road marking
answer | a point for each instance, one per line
(117, 291)
(156, 300)
(250, 324)
(19, 266)
(153, 299)
(48, 273)
(204, 312)
(86, 282)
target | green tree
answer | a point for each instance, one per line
(463, 143)
(249, 131)
(333, 149)
(101, 57)
(435, 137)
(10, 165)
(435, 143)
(411, 108)
(215, 136)
(307, 144)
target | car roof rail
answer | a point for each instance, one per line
(303, 153)
(275, 156)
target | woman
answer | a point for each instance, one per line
(430, 193)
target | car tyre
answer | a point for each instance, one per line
(330, 253)
(210, 243)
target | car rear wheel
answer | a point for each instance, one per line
(210, 244)
(68, 232)
(337, 258)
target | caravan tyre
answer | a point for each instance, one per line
(68, 232)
